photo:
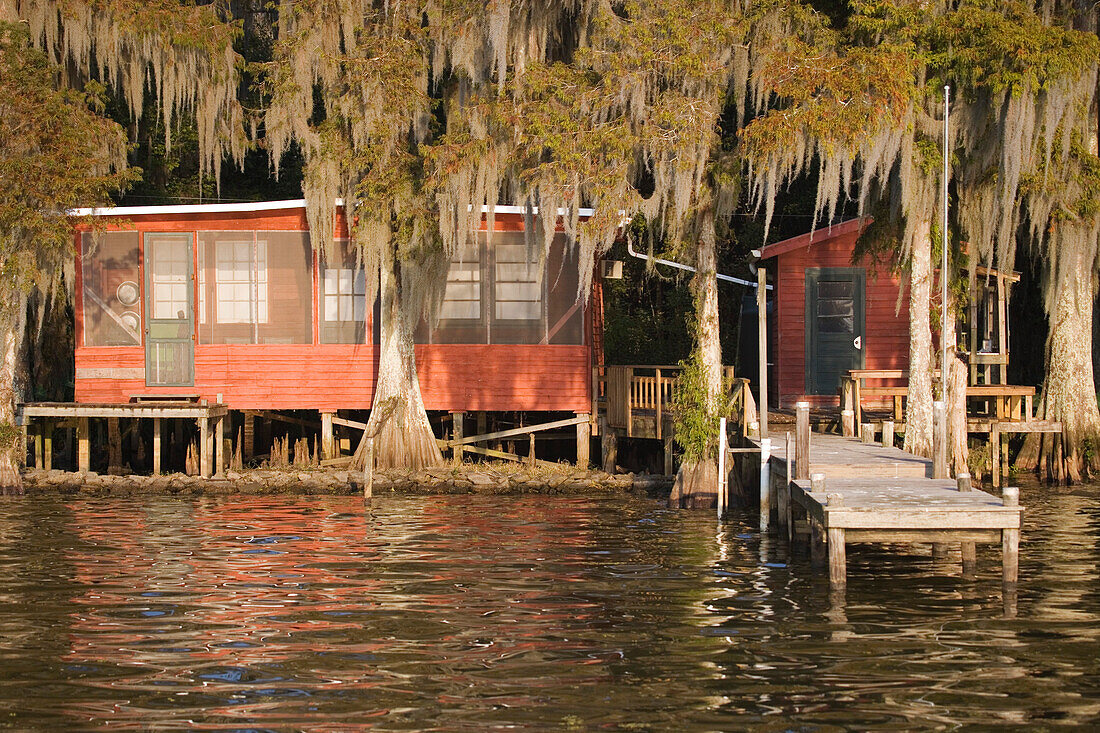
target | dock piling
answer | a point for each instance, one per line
(784, 508)
(867, 432)
(802, 440)
(887, 433)
(969, 549)
(838, 560)
(765, 483)
(1010, 540)
(939, 445)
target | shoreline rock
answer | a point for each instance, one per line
(469, 478)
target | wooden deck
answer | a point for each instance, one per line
(859, 492)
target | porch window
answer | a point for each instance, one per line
(343, 297)
(241, 277)
(462, 299)
(112, 296)
(518, 287)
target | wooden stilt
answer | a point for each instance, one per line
(114, 447)
(37, 444)
(1010, 540)
(669, 467)
(328, 443)
(157, 430)
(83, 445)
(47, 445)
(456, 434)
(248, 436)
(220, 453)
(584, 442)
(205, 460)
(531, 450)
(783, 498)
(609, 445)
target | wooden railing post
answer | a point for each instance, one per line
(660, 399)
(802, 440)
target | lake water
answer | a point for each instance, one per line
(474, 613)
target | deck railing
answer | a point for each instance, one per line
(629, 391)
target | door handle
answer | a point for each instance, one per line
(858, 342)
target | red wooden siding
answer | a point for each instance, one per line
(886, 322)
(335, 376)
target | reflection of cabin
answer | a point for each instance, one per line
(834, 315)
(230, 300)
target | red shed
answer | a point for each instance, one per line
(232, 300)
(831, 315)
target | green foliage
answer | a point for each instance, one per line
(56, 154)
(695, 422)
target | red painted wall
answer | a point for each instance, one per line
(338, 376)
(886, 322)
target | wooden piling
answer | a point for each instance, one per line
(531, 450)
(38, 446)
(817, 534)
(939, 445)
(456, 434)
(887, 433)
(157, 449)
(802, 440)
(838, 560)
(609, 445)
(205, 459)
(47, 445)
(1010, 540)
(783, 511)
(669, 465)
(368, 468)
(328, 442)
(867, 432)
(219, 446)
(584, 442)
(847, 423)
(765, 483)
(83, 445)
(969, 549)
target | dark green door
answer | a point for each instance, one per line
(169, 311)
(834, 326)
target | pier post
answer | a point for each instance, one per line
(204, 447)
(765, 483)
(38, 445)
(784, 508)
(328, 444)
(609, 445)
(368, 469)
(802, 440)
(456, 434)
(157, 434)
(969, 549)
(1010, 540)
(47, 445)
(817, 535)
(723, 472)
(867, 432)
(838, 560)
(939, 445)
(219, 452)
(584, 442)
(847, 423)
(887, 433)
(83, 445)
(667, 444)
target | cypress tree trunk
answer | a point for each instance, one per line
(1069, 393)
(403, 437)
(918, 410)
(696, 484)
(11, 443)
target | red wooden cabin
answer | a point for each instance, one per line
(232, 300)
(831, 315)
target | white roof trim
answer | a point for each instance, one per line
(257, 206)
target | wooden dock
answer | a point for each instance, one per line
(858, 492)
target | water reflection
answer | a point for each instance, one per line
(470, 613)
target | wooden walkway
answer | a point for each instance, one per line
(865, 493)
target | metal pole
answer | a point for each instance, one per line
(943, 266)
